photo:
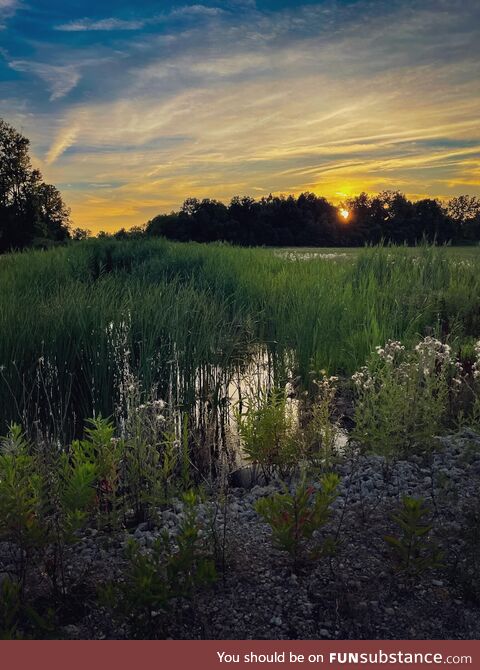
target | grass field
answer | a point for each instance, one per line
(77, 322)
(215, 369)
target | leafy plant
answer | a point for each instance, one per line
(321, 433)
(20, 500)
(294, 517)
(402, 397)
(19, 619)
(269, 435)
(92, 469)
(10, 609)
(412, 550)
(173, 568)
(155, 464)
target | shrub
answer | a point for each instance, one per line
(321, 433)
(294, 517)
(402, 398)
(269, 435)
(155, 461)
(10, 610)
(47, 496)
(173, 568)
(20, 501)
(412, 550)
(476, 386)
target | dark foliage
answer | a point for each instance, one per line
(32, 213)
(309, 220)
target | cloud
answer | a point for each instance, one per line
(64, 140)
(60, 79)
(116, 24)
(7, 10)
(83, 25)
(314, 97)
(196, 10)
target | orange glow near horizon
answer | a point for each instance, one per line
(127, 133)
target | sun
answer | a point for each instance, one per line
(344, 213)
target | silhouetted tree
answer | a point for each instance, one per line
(31, 212)
(464, 211)
(79, 234)
(310, 220)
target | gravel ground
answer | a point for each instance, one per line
(354, 594)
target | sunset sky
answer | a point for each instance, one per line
(133, 106)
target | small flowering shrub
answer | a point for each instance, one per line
(476, 386)
(402, 398)
(269, 434)
(321, 432)
(413, 552)
(294, 517)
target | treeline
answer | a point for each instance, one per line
(310, 220)
(32, 213)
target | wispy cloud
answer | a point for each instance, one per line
(118, 24)
(64, 140)
(59, 79)
(196, 10)
(331, 97)
(83, 25)
(7, 9)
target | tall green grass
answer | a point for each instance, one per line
(68, 316)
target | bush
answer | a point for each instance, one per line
(294, 517)
(173, 568)
(269, 434)
(412, 550)
(402, 399)
(20, 501)
(321, 433)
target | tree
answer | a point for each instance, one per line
(31, 212)
(310, 220)
(464, 211)
(79, 234)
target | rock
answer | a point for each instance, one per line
(141, 528)
(72, 632)
(324, 632)
(262, 491)
(170, 517)
(276, 621)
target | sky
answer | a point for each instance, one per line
(131, 107)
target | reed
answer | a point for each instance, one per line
(75, 320)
